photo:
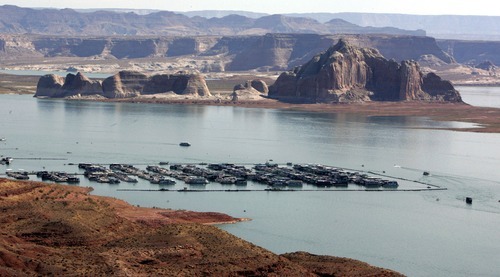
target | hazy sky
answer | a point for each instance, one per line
(476, 7)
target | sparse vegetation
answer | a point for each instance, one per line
(66, 238)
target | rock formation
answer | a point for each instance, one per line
(49, 86)
(181, 83)
(252, 89)
(345, 73)
(124, 84)
(260, 86)
(54, 86)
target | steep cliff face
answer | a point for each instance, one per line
(133, 48)
(472, 52)
(345, 73)
(54, 86)
(266, 52)
(124, 84)
(272, 50)
(183, 84)
(403, 47)
(284, 51)
(279, 51)
(182, 46)
(80, 84)
(49, 86)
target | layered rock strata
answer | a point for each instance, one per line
(124, 84)
(345, 73)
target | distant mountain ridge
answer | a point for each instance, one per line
(465, 27)
(468, 27)
(16, 20)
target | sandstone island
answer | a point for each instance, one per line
(345, 73)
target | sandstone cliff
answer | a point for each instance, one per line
(57, 87)
(284, 51)
(472, 52)
(124, 84)
(345, 73)
(232, 53)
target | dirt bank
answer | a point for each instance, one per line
(64, 231)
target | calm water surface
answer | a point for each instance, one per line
(430, 233)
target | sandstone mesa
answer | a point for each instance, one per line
(345, 73)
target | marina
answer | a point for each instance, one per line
(289, 177)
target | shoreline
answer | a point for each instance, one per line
(487, 119)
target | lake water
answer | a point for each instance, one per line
(426, 233)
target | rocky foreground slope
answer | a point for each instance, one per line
(345, 73)
(64, 231)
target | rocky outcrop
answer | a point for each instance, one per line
(252, 89)
(345, 73)
(124, 84)
(54, 86)
(183, 84)
(439, 89)
(49, 86)
(260, 86)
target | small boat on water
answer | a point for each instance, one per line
(185, 144)
(193, 180)
(3, 139)
(390, 184)
(6, 160)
